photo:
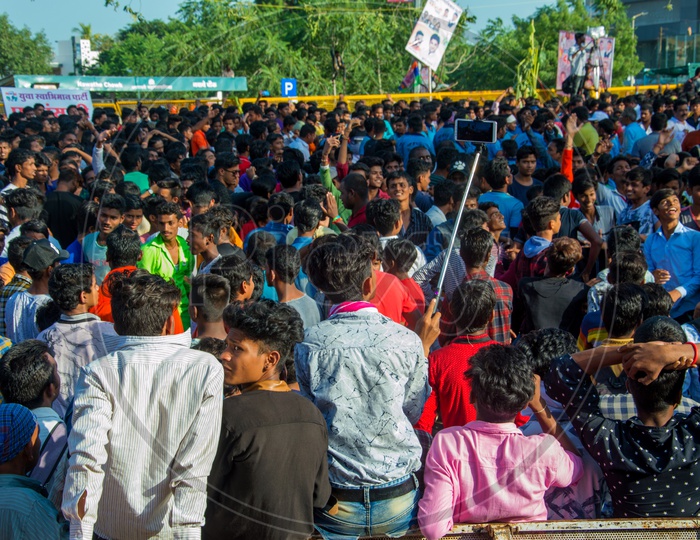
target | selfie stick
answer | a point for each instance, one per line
(445, 264)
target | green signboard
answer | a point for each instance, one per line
(135, 84)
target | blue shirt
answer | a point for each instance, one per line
(96, 255)
(410, 141)
(278, 230)
(610, 197)
(508, 205)
(642, 215)
(680, 256)
(632, 134)
(369, 378)
(25, 512)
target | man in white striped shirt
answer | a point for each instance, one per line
(146, 424)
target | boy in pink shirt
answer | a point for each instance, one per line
(488, 470)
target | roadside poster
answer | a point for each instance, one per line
(600, 60)
(16, 99)
(433, 31)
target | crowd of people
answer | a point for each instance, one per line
(225, 323)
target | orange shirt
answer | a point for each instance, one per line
(103, 309)
(199, 141)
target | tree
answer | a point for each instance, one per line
(502, 48)
(269, 40)
(22, 52)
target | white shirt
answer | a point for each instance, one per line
(680, 129)
(436, 215)
(76, 341)
(146, 425)
(20, 315)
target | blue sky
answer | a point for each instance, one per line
(58, 17)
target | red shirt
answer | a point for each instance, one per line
(247, 228)
(392, 298)
(359, 217)
(451, 393)
(416, 293)
(103, 309)
(244, 164)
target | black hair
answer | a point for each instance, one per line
(627, 267)
(200, 194)
(128, 189)
(130, 157)
(556, 187)
(444, 192)
(26, 202)
(540, 211)
(658, 121)
(47, 315)
(288, 173)
(402, 252)
(25, 372)
(210, 294)
(273, 326)
(264, 184)
(659, 196)
(582, 184)
(497, 172)
(168, 209)
(279, 206)
(18, 156)
(658, 303)
(338, 268)
(623, 238)
(694, 177)
(542, 346)
(307, 215)
(472, 306)
(226, 160)
(211, 345)
(87, 216)
(640, 174)
(66, 283)
(383, 214)
(257, 245)
(34, 226)
(667, 389)
(358, 184)
(142, 304)
(475, 246)
(123, 247)
(113, 202)
(236, 268)
(15, 251)
(285, 261)
(501, 382)
(223, 218)
(623, 307)
(473, 218)
(416, 167)
(524, 152)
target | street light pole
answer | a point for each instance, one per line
(634, 18)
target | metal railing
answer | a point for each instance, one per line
(329, 102)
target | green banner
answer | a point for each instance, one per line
(135, 84)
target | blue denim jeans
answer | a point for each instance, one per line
(391, 517)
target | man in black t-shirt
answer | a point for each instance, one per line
(271, 467)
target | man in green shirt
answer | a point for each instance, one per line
(587, 137)
(169, 256)
(132, 159)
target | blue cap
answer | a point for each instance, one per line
(17, 425)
